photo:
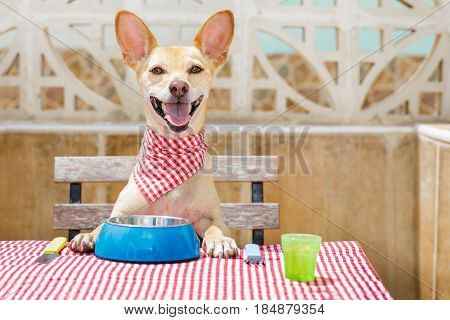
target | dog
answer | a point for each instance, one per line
(175, 83)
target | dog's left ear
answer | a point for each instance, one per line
(214, 37)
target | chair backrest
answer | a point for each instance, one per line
(256, 215)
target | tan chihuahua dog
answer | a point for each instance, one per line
(175, 83)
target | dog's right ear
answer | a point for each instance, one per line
(134, 38)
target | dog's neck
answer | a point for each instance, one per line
(166, 140)
(164, 163)
(167, 133)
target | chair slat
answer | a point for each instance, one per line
(235, 215)
(118, 169)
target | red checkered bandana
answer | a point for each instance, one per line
(164, 163)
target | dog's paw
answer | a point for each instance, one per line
(83, 242)
(219, 247)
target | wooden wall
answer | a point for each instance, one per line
(359, 185)
(434, 214)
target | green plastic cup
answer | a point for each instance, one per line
(300, 255)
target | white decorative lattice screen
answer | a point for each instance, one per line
(295, 61)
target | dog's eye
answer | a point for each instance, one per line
(157, 70)
(195, 69)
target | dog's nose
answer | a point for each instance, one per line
(178, 87)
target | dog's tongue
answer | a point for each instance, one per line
(178, 113)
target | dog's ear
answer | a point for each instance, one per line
(134, 38)
(214, 37)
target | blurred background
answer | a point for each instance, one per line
(363, 80)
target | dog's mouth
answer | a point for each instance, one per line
(177, 115)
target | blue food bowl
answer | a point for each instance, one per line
(148, 239)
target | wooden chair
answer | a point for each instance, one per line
(256, 215)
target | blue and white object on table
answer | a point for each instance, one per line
(253, 254)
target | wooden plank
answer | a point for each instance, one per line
(118, 169)
(93, 169)
(235, 215)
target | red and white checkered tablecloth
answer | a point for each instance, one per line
(343, 272)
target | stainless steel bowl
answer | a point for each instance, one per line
(148, 221)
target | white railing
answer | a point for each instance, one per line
(306, 57)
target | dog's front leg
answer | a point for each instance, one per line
(84, 242)
(216, 241)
